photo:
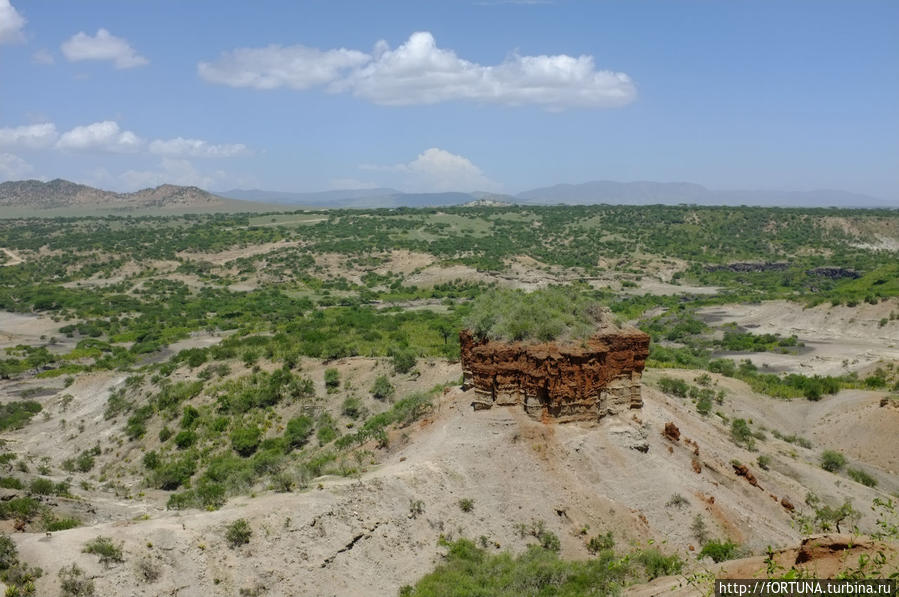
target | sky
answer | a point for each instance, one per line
(436, 95)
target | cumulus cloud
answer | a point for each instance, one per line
(103, 136)
(419, 72)
(32, 136)
(196, 148)
(297, 67)
(102, 46)
(173, 171)
(12, 167)
(11, 24)
(438, 170)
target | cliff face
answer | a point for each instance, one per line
(582, 381)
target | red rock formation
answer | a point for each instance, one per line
(573, 382)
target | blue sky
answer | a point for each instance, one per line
(432, 95)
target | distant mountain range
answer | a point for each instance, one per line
(619, 193)
(62, 194)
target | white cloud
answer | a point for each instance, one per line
(102, 46)
(180, 172)
(32, 136)
(419, 72)
(11, 24)
(103, 136)
(196, 148)
(12, 167)
(43, 56)
(438, 170)
(297, 67)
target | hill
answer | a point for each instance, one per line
(647, 193)
(63, 197)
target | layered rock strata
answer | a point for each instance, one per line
(580, 381)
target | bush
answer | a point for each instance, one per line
(175, 473)
(74, 583)
(104, 547)
(677, 387)
(403, 360)
(238, 533)
(165, 433)
(860, 476)
(16, 414)
(185, 439)
(719, 550)
(470, 570)
(657, 564)
(832, 461)
(466, 504)
(151, 460)
(41, 486)
(764, 461)
(741, 434)
(297, 432)
(332, 379)
(9, 554)
(382, 389)
(543, 315)
(601, 543)
(351, 407)
(245, 440)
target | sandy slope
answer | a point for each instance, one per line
(357, 536)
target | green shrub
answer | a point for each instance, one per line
(185, 439)
(327, 430)
(41, 486)
(403, 359)
(11, 483)
(238, 533)
(245, 440)
(832, 461)
(382, 389)
(332, 379)
(174, 473)
(764, 461)
(151, 460)
(543, 315)
(16, 414)
(74, 583)
(860, 476)
(719, 551)
(741, 434)
(466, 504)
(52, 524)
(9, 554)
(104, 547)
(677, 387)
(297, 431)
(165, 433)
(657, 564)
(352, 407)
(601, 543)
(189, 417)
(469, 570)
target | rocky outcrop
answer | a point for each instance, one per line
(580, 381)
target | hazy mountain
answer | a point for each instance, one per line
(315, 198)
(353, 198)
(647, 193)
(63, 194)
